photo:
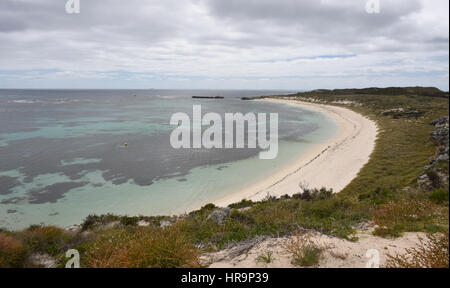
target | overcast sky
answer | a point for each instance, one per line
(229, 44)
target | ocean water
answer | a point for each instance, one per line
(62, 154)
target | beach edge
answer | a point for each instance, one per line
(332, 164)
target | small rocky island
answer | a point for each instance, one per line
(208, 97)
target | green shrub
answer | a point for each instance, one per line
(439, 196)
(305, 252)
(243, 204)
(129, 221)
(266, 258)
(314, 194)
(379, 196)
(242, 217)
(311, 256)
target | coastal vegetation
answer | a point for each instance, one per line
(403, 188)
(432, 253)
(267, 257)
(305, 252)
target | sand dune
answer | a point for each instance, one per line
(338, 252)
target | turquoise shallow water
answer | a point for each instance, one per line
(62, 156)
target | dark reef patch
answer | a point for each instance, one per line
(221, 168)
(53, 193)
(6, 184)
(12, 200)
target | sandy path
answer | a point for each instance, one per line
(333, 164)
(339, 253)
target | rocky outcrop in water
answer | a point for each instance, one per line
(208, 97)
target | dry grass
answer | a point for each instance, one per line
(305, 251)
(12, 253)
(408, 215)
(430, 253)
(139, 247)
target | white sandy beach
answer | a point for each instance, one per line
(333, 164)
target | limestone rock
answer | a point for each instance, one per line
(219, 215)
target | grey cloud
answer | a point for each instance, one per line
(204, 37)
(10, 24)
(316, 15)
(312, 20)
(259, 22)
(121, 18)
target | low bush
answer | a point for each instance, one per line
(140, 247)
(439, 196)
(13, 253)
(129, 221)
(243, 204)
(314, 194)
(430, 253)
(305, 252)
(267, 258)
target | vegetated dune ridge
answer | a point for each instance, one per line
(333, 164)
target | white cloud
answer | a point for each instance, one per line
(280, 44)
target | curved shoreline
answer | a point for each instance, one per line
(333, 164)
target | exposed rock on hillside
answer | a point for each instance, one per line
(219, 215)
(403, 113)
(432, 177)
(440, 136)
